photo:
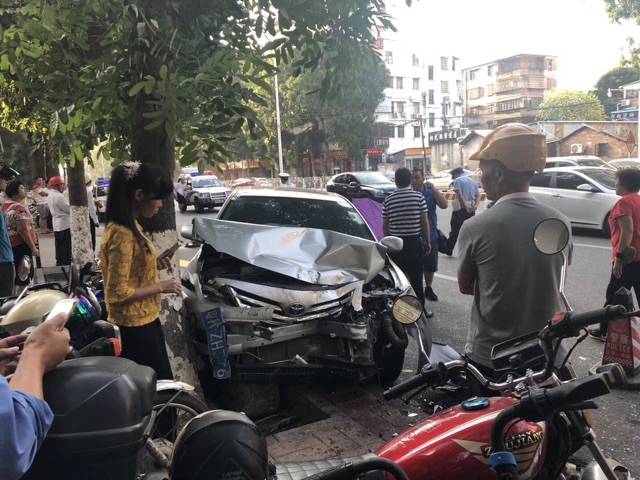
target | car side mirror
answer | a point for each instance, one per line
(187, 232)
(393, 244)
(586, 187)
(353, 184)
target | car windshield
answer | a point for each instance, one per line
(606, 178)
(592, 162)
(205, 182)
(338, 216)
(372, 179)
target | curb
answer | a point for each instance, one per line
(633, 381)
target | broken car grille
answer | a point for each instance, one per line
(320, 310)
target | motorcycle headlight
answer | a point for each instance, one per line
(406, 309)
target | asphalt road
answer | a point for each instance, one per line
(617, 422)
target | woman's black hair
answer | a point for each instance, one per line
(12, 188)
(629, 178)
(125, 180)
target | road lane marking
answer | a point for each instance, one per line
(586, 245)
(445, 277)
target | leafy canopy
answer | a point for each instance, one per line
(196, 71)
(571, 105)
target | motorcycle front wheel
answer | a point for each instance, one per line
(174, 409)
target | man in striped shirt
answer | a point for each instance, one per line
(404, 215)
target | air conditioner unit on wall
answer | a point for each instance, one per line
(576, 148)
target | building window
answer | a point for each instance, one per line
(416, 132)
(444, 63)
(551, 83)
(415, 61)
(390, 80)
(432, 120)
(602, 149)
(388, 58)
(399, 83)
(400, 131)
(549, 64)
(431, 97)
(453, 64)
(430, 72)
(416, 108)
(491, 70)
(416, 84)
(490, 90)
(444, 86)
(473, 74)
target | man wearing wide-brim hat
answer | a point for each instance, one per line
(515, 287)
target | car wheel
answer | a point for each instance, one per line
(605, 226)
(198, 206)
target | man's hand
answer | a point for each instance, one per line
(49, 343)
(617, 268)
(9, 351)
(164, 263)
(426, 245)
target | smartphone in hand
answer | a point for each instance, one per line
(169, 252)
(66, 306)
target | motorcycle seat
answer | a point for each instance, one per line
(300, 470)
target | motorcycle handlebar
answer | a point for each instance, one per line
(572, 322)
(355, 469)
(428, 375)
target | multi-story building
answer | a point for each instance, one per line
(425, 90)
(627, 106)
(507, 90)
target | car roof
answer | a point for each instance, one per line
(198, 177)
(577, 168)
(573, 158)
(291, 193)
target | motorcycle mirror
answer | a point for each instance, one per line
(407, 309)
(23, 270)
(551, 236)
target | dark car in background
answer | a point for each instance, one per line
(361, 184)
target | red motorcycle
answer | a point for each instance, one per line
(537, 424)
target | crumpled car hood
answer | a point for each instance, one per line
(311, 255)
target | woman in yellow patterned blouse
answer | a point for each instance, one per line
(130, 264)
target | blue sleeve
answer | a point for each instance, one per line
(25, 422)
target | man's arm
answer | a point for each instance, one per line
(467, 270)
(441, 201)
(385, 227)
(426, 232)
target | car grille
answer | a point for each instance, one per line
(318, 311)
(218, 197)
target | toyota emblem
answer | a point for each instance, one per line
(296, 309)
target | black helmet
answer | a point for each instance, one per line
(220, 444)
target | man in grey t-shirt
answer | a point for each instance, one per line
(515, 287)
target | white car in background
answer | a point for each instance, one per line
(205, 191)
(576, 161)
(444, 181)
(584, 194)
(625, 163)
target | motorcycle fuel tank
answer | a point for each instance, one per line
(456, 443)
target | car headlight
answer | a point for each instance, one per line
(406, 309)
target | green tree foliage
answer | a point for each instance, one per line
(571, 105)
(626, 10)
(613, 79)
(187, 71)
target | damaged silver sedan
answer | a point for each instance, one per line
(291, 286)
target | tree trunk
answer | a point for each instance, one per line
(81, 248)
(156, 147)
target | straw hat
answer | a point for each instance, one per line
(517, 146)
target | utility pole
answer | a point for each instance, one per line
(424, 151)
(280, 162)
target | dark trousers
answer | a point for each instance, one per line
(410, 261)
(7, 274)
(630, 279)
(92, 227)
(457, 219)
(63, 247)
(145, 345)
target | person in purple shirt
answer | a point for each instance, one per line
(25, 417)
